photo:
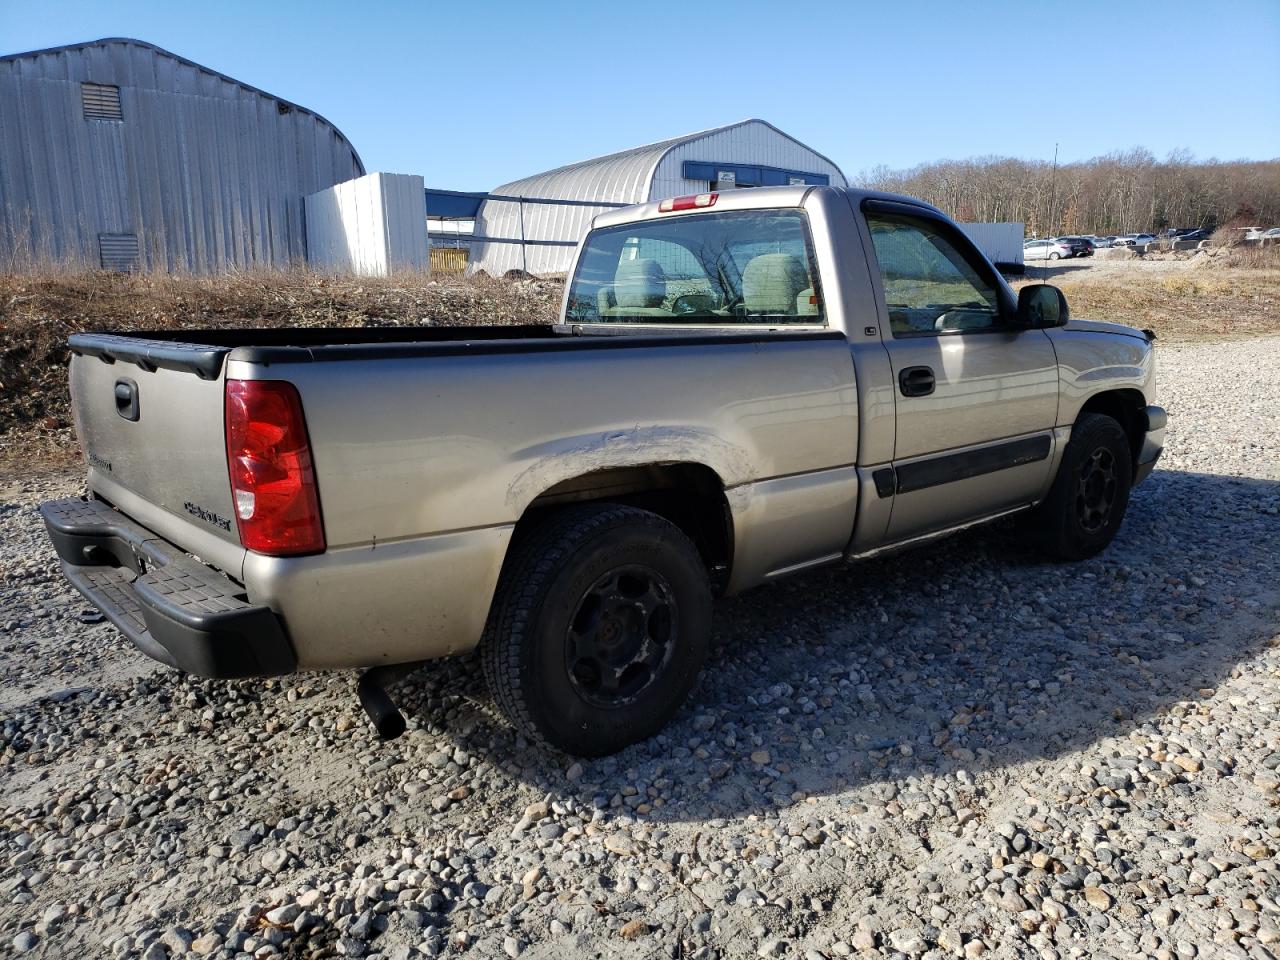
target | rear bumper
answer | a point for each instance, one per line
(171, 607)
(1152, 444)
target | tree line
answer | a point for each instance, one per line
(1125, 192)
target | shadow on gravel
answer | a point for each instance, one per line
(971, 654)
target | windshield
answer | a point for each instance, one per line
(748, 267)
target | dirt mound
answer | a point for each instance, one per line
(1209, 258)
(1116, 253)
(1237, 257)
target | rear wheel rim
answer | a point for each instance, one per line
(1096, 489)
(622, 636)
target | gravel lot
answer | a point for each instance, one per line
(957, 752)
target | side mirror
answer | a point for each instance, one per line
(1041, 306)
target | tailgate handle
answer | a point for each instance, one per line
(127, 399)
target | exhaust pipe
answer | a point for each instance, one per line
(382, 710)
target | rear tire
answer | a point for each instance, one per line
(598, 629)
(1086, 504)
(1055, 256)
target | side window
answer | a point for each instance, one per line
(929, 287)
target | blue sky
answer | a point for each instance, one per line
(471, 94)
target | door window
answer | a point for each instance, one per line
(930, 288)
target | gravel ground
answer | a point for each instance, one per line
(957, 752)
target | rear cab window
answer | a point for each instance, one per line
(745, 267)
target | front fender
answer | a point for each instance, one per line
(1093, 360)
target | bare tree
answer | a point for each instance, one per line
(1122, 192)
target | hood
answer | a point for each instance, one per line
(1104, 326)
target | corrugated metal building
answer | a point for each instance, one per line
(120, 154)
(749, 153)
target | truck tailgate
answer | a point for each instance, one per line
(157, 433)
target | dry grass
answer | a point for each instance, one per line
(1232, 294)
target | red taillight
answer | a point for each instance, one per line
(272, 480)
(688, 203)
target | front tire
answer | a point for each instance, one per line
(1087, 502)
(598, 629)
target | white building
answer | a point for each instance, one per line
(372, 226)
(516, 228)
(1001, 242)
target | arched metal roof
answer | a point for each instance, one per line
(622, 177)
(131, 41)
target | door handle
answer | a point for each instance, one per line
(916, 381)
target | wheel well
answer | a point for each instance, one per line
(690, 495)
(1126, 407)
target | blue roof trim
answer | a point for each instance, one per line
(752, 174)
(453, 204)
(461, 205)
(693, 138)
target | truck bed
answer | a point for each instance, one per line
(425, 460)
(232, 337)
(202, 351)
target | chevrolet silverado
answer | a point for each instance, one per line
(743, 385)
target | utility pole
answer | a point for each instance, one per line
(1053, 194)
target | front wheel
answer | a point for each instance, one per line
(1087, 502)
(598, 629)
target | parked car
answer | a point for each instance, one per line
(1272, 234)
(1102, 243)
(1045, 250)
(1197, 234)
(1080, 246)
(738, 390)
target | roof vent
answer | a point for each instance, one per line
(101, 101)
(118, 252)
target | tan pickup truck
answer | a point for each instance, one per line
(744, 385)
